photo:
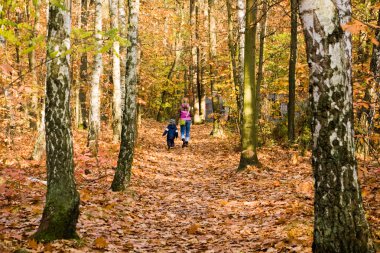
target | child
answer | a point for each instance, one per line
(171, 132)
(185, 122)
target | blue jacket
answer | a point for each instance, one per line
(171, 131)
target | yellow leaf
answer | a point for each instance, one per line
(32, 244)
(100, 243)
(193, 229)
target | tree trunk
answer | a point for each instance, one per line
(292, 70)
(93, 133)
(116, 109)
(33, 105)
(40, 145)
(233, 56)
(249, 128)
(339, 219)
(217, 130)
(83, 71)
(240, 66)
(61, 210)
(260, 70)
(129, 128)
(123, 34)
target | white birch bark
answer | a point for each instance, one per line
(94, 129)
(339, 224)
(116, 109)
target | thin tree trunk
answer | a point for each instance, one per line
(129, 122)
(249, 128)
(40, 145)
(116, 109)
(339, 219)
(93, 133)
(123, 34)
(240, 66)
(217, 130)
(83, 119)
(292, 71)
(260, 69)
(61, 210)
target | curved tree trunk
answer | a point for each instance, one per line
(93, 133)
(249, 129)
(123, 34)
(339, 220)
(116, 108)
(129, 122)
(61, 210)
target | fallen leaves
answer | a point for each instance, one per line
(100, 243)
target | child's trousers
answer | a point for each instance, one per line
(185, 129)
(170, 143)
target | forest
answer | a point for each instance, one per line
(190, 126)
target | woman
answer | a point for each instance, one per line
(185, 121)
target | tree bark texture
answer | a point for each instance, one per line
(93, 133)
(240, 66)
(339, 220)
(61, 210)
(249, 128)
(83, 73)
(292, 70)
(116, 108)
(129, 122)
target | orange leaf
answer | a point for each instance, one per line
(32, 244)
(100, 243)
(375, 41)
(354, 27)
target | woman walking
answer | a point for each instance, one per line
(185, 121)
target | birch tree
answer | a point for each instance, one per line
(249, 127)
(116, 108)
(339, 219)
(93, 133)
(240, 66)
(129, 123)
(61, 210)
(123, 34)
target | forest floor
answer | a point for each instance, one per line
(180, 200)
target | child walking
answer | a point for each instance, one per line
(171, 132)
(185, 122)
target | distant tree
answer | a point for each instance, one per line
(339, 220)
(61, 210)
(292, 69)
(93, 133)
(240, 6)
(129, 122)
(116, 105)
(250, 111)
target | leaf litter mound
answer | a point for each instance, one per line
(179, 200)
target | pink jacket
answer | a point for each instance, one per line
(185, 112)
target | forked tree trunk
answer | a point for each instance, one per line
(116, 108)
(93, 133)
(292, 70)
(129, 123)
(339, 219)
(61, 210)
(249, 129)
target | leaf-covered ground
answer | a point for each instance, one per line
(182, 200)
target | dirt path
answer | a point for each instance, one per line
(191, 200)
(182, 200)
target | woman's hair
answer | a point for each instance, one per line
(185, 100)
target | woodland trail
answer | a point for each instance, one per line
(181, 200)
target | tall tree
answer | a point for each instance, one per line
(129, 123)
(240, 66)
(93, 133)
(249, 128)
(339, 220)
(292, 69)
(375, 60)
(116, 108)
(83, 73)
(123, 34)
(260, 69)
(61, 210)
(217, 130)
